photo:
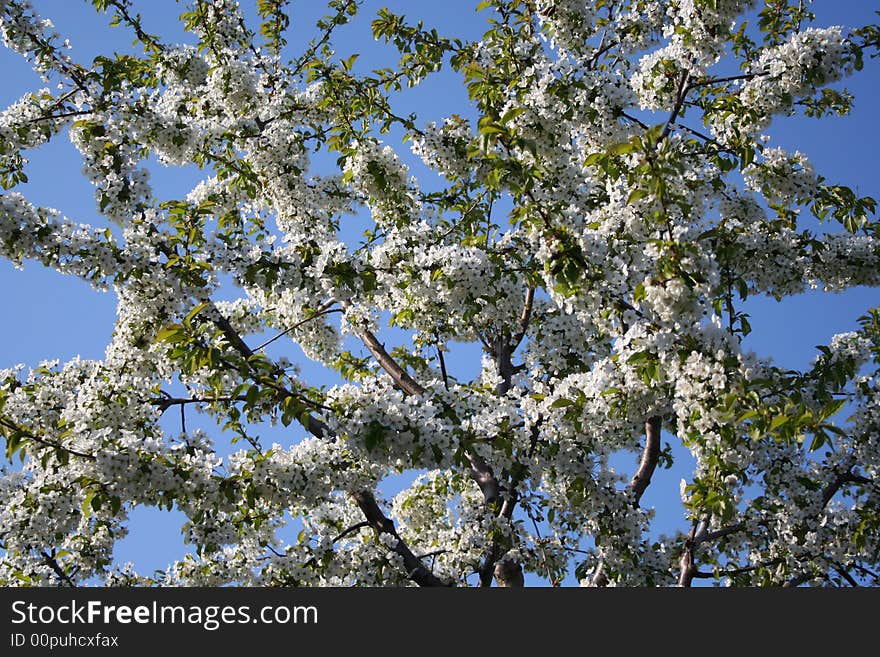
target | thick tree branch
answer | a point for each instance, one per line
(524, 319)
(314, 426)
(721, 533)
(845, 574)
(230, 333)
(640, 480)
(351, 530)
(443, 372)
(701, 574)
(648, 463)
(797, 580)
(687, 565)
(399, 375)
(501, 349)
(167, 402)
(839, 481)
(506, 572)
(683, 88)
(486, 571)
(509, 574)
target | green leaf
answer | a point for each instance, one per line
(511, 114)
(832, 408)
(195, 311)
(636, 195)
(171, 333)
(374, 435)
(640, 357)
(778, 421)
(622, 148)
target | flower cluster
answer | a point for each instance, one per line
(782, 178)
(578, 233)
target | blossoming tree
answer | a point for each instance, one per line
(599, 213)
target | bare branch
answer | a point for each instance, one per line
(481, 473)
(797, 580)
(351, 530)
(314, 426)
(683, 88)
(230, 333)
(399, 375)
(134, 23)
(701, 574)
(524, 319)
(721, 533)
(42, 441)
(640, 480)
(324, 309)
(686, 563)
(443, 367)
(650, 455)
(166, 402)
(729, 78)
(433, 553)
(834, 487)
(844, 573)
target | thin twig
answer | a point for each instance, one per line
(42, 441)
(443, 367)
(324, 309)
(351, 530)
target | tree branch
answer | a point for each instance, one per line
(683, 88)
(650, 455)
(351, 530)
(721, 533)
(844, 573)
(834, 487)
(501, 349)
(686, 562)
(42, 441)
(509, 574)
(524, 319)
(134, 23)
(640, 480)
(399, 375)
(166, 402)
(52, 562)
(416, 570)
(324, 309)
(443, 367)
(797, 580)
(481, 473)
(366, 502)
(729, 78)
(314, 426)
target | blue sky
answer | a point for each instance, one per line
(50, 316)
